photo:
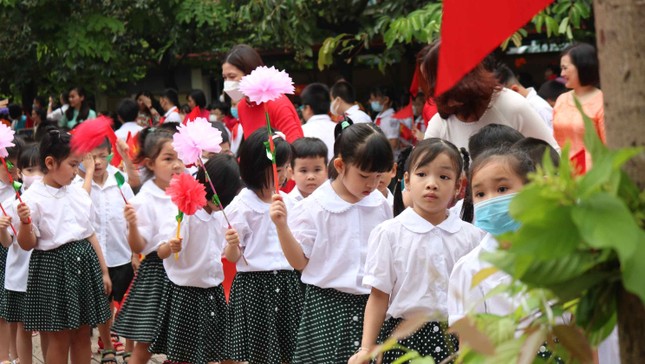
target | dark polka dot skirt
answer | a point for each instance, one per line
(65, 289)
(431, 339)
(192, 324)
(139, 315)
(15, 306)
(3, 292)
(331, 327)
(263, 316)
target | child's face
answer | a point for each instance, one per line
(63, 173)
(309, 174)
(30, 175)
(358, 183)
(100, 156)
(432, 187)
(283, 172)
(166, 165)
(494, 179)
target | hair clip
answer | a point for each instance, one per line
(344, 124)
(278, 134)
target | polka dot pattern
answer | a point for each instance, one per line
(331, 327)
(3, 292)
(263, 316)
(13, 311)
(431, 339)
(137, 319)
(192, 324)
(65, 289)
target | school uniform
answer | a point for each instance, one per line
(321, 127)
(332, 321)
(192, 321)
(357, 115)
(137, 320)
(7, 308)
(410, 259)
(65, 285)
(111, 231)
(296, 195)
(266, 297)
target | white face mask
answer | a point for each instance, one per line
(212, 118)
(232, 89)
(29, 180)
(333, 109)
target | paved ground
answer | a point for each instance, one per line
(38, 357)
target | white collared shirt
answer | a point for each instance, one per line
(172, 116)
(357, 115)
(6, 192)
(109, 222)
(296, 195)
(463, 298)
(155, 216)
(321, 127)
(17, 266)
(58, 215)
(410, 259)
(333, 234)
(258, 236)
(388, 124)
(129, 127)
(390, 198)
(199, 264)
(541, 107)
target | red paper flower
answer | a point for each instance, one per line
(188, 194)
(92, 133)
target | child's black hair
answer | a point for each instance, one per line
(151, 141)
(199, 98)
(551, 90)
(225, 175)
(365, 147)
(29, 156)
(170, 127)
(18, 145)
(127, 110)
(255, 167)
(222, 128)
(316, 96)
(492, 136)
(403, 164)
(308, 147)
(344, 90)
(535, 148)
(55, 144)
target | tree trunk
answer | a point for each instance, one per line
(620, 34)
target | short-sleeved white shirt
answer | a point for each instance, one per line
(296, 195)
(155, 216)
(541, 107)
(411, 260)
(17, 266)
(109, 222)
(172, 115)
(258, 236)
(333, 234)
(58, 215)
(462, 298)
(129, 127)
(506, 108)
(321, 127)
(357, 115)
(199, 264)
(388, 124)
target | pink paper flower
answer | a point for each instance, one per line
(265, 84)
(6, 139)
(185, 192)
(195, 137)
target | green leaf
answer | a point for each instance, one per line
(406, 357)
(563, 25)
(180, 216)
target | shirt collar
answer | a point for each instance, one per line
(250, 199)
(203, 215)
(48, 191)
(319, 118)
(489, 243)
(353, 108)
(417, 224)
(170, 111)
(531, 93)
(386, 113)
(153, 189)
(328, 199)
(110, 181)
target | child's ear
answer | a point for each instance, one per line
(406, 180)
(339, 165)
(50, 162)
(462, 186)
(150, 163)
(394, 169)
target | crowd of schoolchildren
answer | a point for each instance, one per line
(368, 237)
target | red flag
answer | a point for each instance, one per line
(405, 112)
(471, 29)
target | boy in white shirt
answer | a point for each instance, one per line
(309, 165)
(127, 112)
(318, 124)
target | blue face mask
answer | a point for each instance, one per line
(492, 215)
(376, 106)
(234, 112)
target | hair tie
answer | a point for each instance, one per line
(344, 124)
(278, 134)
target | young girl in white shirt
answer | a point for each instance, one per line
(68, 280)
(326, 238)
(15, 283)
(192, 321)
(266, 296)
(151, 222)
(410, 257)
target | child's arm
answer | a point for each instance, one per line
(290, 246)
(166, 249)
(107, 283)
(232, 251)
(5, 237)
(26, 237)
(88, 163)
(373, 320)
(134, 238)
(130, 169)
